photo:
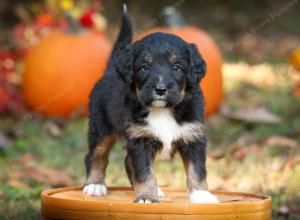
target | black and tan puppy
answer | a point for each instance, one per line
(150, 95)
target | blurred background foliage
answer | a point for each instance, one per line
(253, 138)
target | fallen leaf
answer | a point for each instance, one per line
(295, 212)
(217, 154)
(18, 184)
(25, 158)
(55, 178)
(255, 148)
(241, 154)
(296, 160)
(53, 129)
(283, 209)
(280, 141)
(244, 140)
(251, 115)
(289, 165)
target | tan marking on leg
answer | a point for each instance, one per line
(197, 188)
(147, 188)
(100, 160)
(193, 180)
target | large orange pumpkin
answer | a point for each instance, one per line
(61, 71)
(212, 84)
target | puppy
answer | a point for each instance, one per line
(150, 95)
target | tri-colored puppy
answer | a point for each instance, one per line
(150, 95)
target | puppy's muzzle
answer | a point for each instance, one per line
(159, 95)
(160, 89)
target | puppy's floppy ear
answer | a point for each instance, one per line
(197, 65)
(124, 64)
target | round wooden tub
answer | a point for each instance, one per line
(70, 203)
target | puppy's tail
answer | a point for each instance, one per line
(125, 35)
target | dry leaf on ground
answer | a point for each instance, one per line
(49, 176)
(25, 158)
(53, 129)
(251, 115)
(280, 141)
(18, 184)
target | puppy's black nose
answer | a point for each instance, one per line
(160, 90)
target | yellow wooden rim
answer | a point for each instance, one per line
(262, 206)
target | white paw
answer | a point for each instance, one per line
(95, 190)
(160, 192)
(198, 196)
(144, 201)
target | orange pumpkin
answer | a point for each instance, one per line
(212, 84)
(61, 71)
(294, 58)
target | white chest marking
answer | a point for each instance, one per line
(162, 125)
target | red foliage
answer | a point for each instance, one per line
(86, 19)
(45, 19)
(10, 96)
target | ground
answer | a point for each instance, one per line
(247, 155)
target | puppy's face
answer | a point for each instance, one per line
(159, 75)
(159, 68)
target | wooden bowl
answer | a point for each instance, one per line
(70, 203)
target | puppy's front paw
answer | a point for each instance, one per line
(198, 196)
(144, 199)
(160, 192)
(95, 190)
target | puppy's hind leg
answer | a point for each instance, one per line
(96, 162)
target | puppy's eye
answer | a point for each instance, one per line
(145, 68)
(176, 67)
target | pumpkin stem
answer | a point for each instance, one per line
(74, 26)
(172, 17)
